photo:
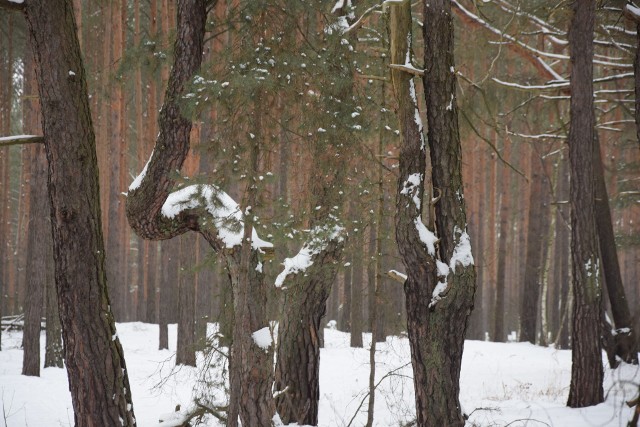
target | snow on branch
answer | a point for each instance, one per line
(7, 141)
(225, 213)
(319, 240)
(632, 12)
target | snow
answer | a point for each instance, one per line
(635, 11)
(262, 338)
(225, 212)
(138, 180)
(462, 252)
(411, 188)
(500, 383)
(319, 238)
(16, 1)
(12, 137)
(426, 236)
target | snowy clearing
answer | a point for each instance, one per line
(501, 383)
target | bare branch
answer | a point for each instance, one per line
(407, 68)
(7, 141)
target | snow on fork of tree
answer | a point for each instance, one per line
(225, 212)
(500, 383)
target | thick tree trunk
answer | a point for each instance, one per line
(298, 360)
(186, 347)
(586, 371)
(441, 281)
(98, 379)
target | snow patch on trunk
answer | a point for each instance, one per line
(262, 338)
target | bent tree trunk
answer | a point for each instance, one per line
(95, 362)
(586, 371)
(440, 285)
(156, 213)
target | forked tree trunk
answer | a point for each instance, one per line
(437, 317)
(98, 379)
(586, 371)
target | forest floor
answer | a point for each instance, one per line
(511, 384)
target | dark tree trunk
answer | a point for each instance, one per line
(345, 303)
(54, 352)
(186, 347)
(536, 239)
(624, 340)
(436, 317)
(98, 380)
(298, 360)
(586, 371)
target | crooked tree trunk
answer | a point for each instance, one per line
(95, 362)
(192, 208)
(586, 371)
(437, 316)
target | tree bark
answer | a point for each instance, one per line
(98, 380)
(586, 371)
(186, 347)
(437, 317)
(298, 358)
(148, 194)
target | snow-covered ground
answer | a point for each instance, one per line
(502, 384)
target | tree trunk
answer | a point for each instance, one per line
(536, 234)
(437, 316)
(298, 360)
(36, 263)
(98, 380)
(186, 347)
(499, 334)
(586, 371)
(625, 341)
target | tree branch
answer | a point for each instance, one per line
(7, 141)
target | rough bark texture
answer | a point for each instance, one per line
(252, 370)
(436, 328)
(186, 345)
(298, 360)
(95, 362)
(586, 371)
